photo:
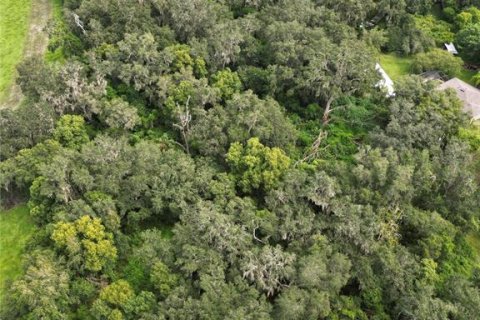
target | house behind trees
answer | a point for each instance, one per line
(468, 94)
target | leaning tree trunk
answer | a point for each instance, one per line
(328, 109)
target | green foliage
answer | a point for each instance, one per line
(299, 304)
(162, 278)
(244, 116)
(117, 293)
(179, 95)
(376, 37)
(21, 170)
(336, 72)
(43, 291)
(39, 206)
(25, 126)
(227, 82)
(347, 308)
(476, 79)
(182, 59)
(467, 17)
(350, 126)
(468, 41)
(420, 6)
(457, 259)
(438, 60)
(239, 163)
(257, 166)
(135, 272)
(471, 136)
(106, 25)
(68, 88)
(113, 300)
(256, 79)
(437, 29)
(62, 41)
(85, 239)
(449, 13)
(407, 38)
(82, 291)
(118, 114)
(70, 131)
(421, 104)
(104, 206)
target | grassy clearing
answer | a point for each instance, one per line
(396, 66)
(16, 227)
(14, 18)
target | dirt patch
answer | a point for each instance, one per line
(35, 44)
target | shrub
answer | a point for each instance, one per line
(438, 30)
(476, 79)
(468, 41)
(437, 59)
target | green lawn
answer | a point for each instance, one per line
(16, 227)
(13, 31)
(396, 66)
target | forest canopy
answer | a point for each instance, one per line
(227, 159)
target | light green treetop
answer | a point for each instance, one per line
(256, 165)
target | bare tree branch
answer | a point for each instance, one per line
(184, 118)
(79, 22)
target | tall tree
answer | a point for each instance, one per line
(43, 292)
(337, 70)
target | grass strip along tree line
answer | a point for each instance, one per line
(14, 27)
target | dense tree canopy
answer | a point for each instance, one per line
(227, 159)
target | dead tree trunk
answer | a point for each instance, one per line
(184, 118)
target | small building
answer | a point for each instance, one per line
(468, 94)
(386, 81)
(450, 47)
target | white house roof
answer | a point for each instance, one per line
(468, 94)
(451, 48)
(386, 81)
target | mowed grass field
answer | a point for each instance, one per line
(16, 227)
(396, 66)
(14, 18)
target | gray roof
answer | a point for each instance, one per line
(468, 94)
